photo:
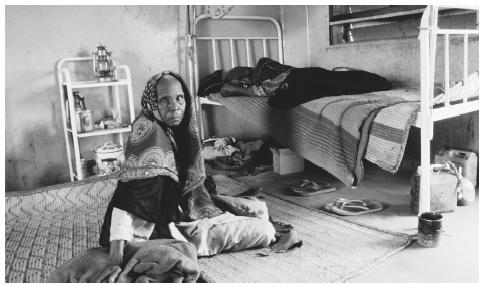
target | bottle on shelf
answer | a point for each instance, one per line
(79, 102)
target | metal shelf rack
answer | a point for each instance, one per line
(66, 89)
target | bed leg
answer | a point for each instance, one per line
(425, 185)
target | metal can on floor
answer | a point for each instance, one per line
(430, 226)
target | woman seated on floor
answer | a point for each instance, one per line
(288, 86)
(164, 180)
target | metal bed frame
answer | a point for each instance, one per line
(214, 40)
(427, 115)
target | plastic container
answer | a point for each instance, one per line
(286, 161)
(467, 160)
(109, 158)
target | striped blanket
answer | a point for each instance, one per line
(336, 133)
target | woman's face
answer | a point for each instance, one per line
(171, 101)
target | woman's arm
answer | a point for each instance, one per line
(116, 252)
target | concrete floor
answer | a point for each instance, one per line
(454, 260)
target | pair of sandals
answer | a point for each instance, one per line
(345, 207)
(308, 188)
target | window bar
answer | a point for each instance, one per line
(446, 68)
(465, 65)
(213, 47)
(247, 46)
(232, 56)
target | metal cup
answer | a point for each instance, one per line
(429, 229)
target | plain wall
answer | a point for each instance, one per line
(148, 39)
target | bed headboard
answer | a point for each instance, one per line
(228, 51)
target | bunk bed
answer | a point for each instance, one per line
(301, 129)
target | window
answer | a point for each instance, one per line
(359, 23)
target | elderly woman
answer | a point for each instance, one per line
(163, 180)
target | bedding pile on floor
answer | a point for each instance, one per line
(49, 227)
(153, 261)
(237, 157)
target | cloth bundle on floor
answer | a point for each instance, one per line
(245, 224)
(162, 260)
(225, 232)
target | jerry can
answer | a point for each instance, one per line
(443, 190)
(467, 160)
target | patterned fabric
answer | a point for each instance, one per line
(269, 86)
(151, 147)
(155, 149)
(267, 68)
(149, 152)
(389, 134)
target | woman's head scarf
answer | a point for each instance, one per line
(153, 148)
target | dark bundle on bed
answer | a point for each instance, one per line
(211, 83)
(307, 84)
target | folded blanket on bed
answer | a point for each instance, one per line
(162, 260)
(389, 133)
(332, 132)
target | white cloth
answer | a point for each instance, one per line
(129, 227)
(460, 89)
(225, 232)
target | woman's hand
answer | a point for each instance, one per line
(113, 269)
(109, 274)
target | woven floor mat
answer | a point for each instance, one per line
(333, 250)
(45, 229)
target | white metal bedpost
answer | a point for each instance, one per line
(427, 56)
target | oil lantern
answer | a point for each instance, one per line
(103, 65)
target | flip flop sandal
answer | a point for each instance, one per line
(308, 188)
(346, 207)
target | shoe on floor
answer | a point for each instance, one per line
(308, 188)
(345, 207)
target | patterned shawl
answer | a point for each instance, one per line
(267, 68)
(154, 149)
